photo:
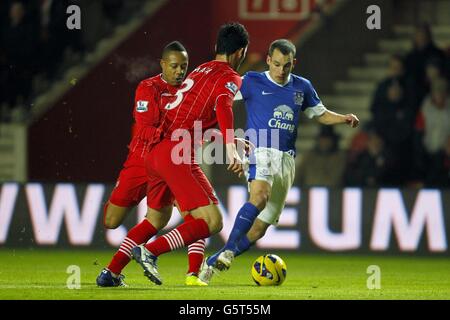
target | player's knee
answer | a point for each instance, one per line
(214, 223)
(159, 219)
(110, 222)
(259, 198)
(158, 223)
(217, 226)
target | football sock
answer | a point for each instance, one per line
(196, 252)
(139, 234)
(183, 235)
(244, 221)
(242, 246)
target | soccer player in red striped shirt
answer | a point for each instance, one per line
(132, 184)
(205, 97)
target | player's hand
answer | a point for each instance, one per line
(236, 164)
(351, 120)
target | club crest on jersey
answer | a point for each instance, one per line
(232, 87)
(298, 98)
(142, 106)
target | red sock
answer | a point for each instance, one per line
(183, 235)
(139, 234)
(196, 252)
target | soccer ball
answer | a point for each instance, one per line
(269, 270)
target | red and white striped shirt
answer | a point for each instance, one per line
(206, 95)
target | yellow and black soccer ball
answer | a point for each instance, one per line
(269, 270)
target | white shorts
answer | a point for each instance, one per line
(276, 168)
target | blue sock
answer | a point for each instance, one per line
(237, 241)
(244, 221)
(242, 246)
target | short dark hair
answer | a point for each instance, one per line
(231, 37)
(285, 46)
(173, 46)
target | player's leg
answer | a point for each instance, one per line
(260, 175)
(269, 216)
(196, 250)
(196, 253)
(271, 213)
(190, 197)
(258, 229)
(185, 234)
(154, 221)
(256, 232)
(113, 215)
(130, 189)
(259, 194)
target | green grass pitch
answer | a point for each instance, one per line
(42, 274)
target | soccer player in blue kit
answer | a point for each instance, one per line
(273, 101)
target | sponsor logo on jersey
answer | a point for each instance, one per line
(232, 87)
(281, 114)
(142, 106)
(298, 98)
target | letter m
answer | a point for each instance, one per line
(390, 213)
(64, 205)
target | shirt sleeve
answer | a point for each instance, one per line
(146, 106)
(312, 105)
(244, 90)
(146, 113)
(227, 88)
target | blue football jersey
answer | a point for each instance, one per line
(273, 110)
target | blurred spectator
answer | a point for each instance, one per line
(372, 167)
(434, 118)
(434, 70)
(323, 166)
(19, 47)
(53, 34)
(393, 116)
(432, 126)
(423, 50)
(438, 170)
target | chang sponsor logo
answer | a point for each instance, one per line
(280, 115)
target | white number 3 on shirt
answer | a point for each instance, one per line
(188, 83)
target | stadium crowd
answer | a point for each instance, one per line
(407, 141)
(36, 45)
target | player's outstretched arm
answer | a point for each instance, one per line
(330, 117)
